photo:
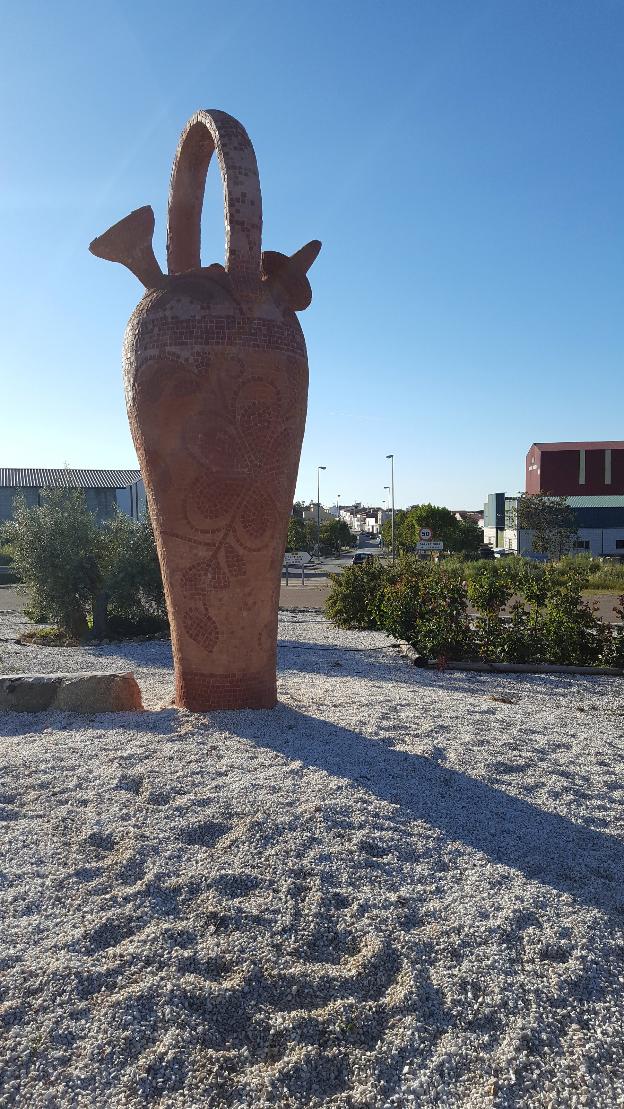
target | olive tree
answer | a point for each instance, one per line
(78, 574)
(56, 548)
(551, 520)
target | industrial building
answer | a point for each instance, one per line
(590, 475)
(104, 490)
(576, 469)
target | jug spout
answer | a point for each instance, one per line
(130, 242)
(288, 274)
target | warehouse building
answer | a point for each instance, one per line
(600, 522)
(105, 490)
(576, 469)
(590, 475)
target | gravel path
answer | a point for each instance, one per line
(400, 888)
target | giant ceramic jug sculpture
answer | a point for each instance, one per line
(216, 380)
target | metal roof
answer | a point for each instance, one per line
(610, 444)
(606, 501)
(16, 478)
(596, 502)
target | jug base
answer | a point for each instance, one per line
(210, 692)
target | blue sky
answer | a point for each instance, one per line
(461, 160)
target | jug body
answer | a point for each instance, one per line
(216, 399)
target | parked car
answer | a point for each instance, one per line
(486, 551)
(361, 556)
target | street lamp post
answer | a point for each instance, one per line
(391, 457)
(318, 508)
(387, 499)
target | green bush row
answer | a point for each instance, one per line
(598, 574)
(427, 605)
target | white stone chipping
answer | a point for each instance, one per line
(399, 888)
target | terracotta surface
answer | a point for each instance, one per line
(216, 379)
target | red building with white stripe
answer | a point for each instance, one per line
(576, 469)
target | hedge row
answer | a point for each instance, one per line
(523, 612)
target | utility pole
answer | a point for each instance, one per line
(318, 509)
(391, 457)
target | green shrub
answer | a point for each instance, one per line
(55, 551)
(521, 638)
(77, 574)
(572, 635)
(489, 589)
(607, 575)
(576, 568)
(426, 606)
(356, 596)
(131, 577)
(615, 649)
(531, 581)
(126, 627)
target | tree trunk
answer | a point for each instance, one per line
(99, 605)
(76, 624)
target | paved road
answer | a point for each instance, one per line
(10, 599)
(312, 595)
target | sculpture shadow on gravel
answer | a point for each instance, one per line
(545, 847)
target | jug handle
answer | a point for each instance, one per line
(206, 131)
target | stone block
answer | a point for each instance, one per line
(85, 693)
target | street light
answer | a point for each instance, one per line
(318, 508)
(391, 457)
(386, 501)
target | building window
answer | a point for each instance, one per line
(619, 544)
(581, 467)
(581, 544)
(608, 466)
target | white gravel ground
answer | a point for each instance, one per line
(393, 890)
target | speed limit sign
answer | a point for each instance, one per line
(425, 533)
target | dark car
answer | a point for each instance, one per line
(361, 556)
